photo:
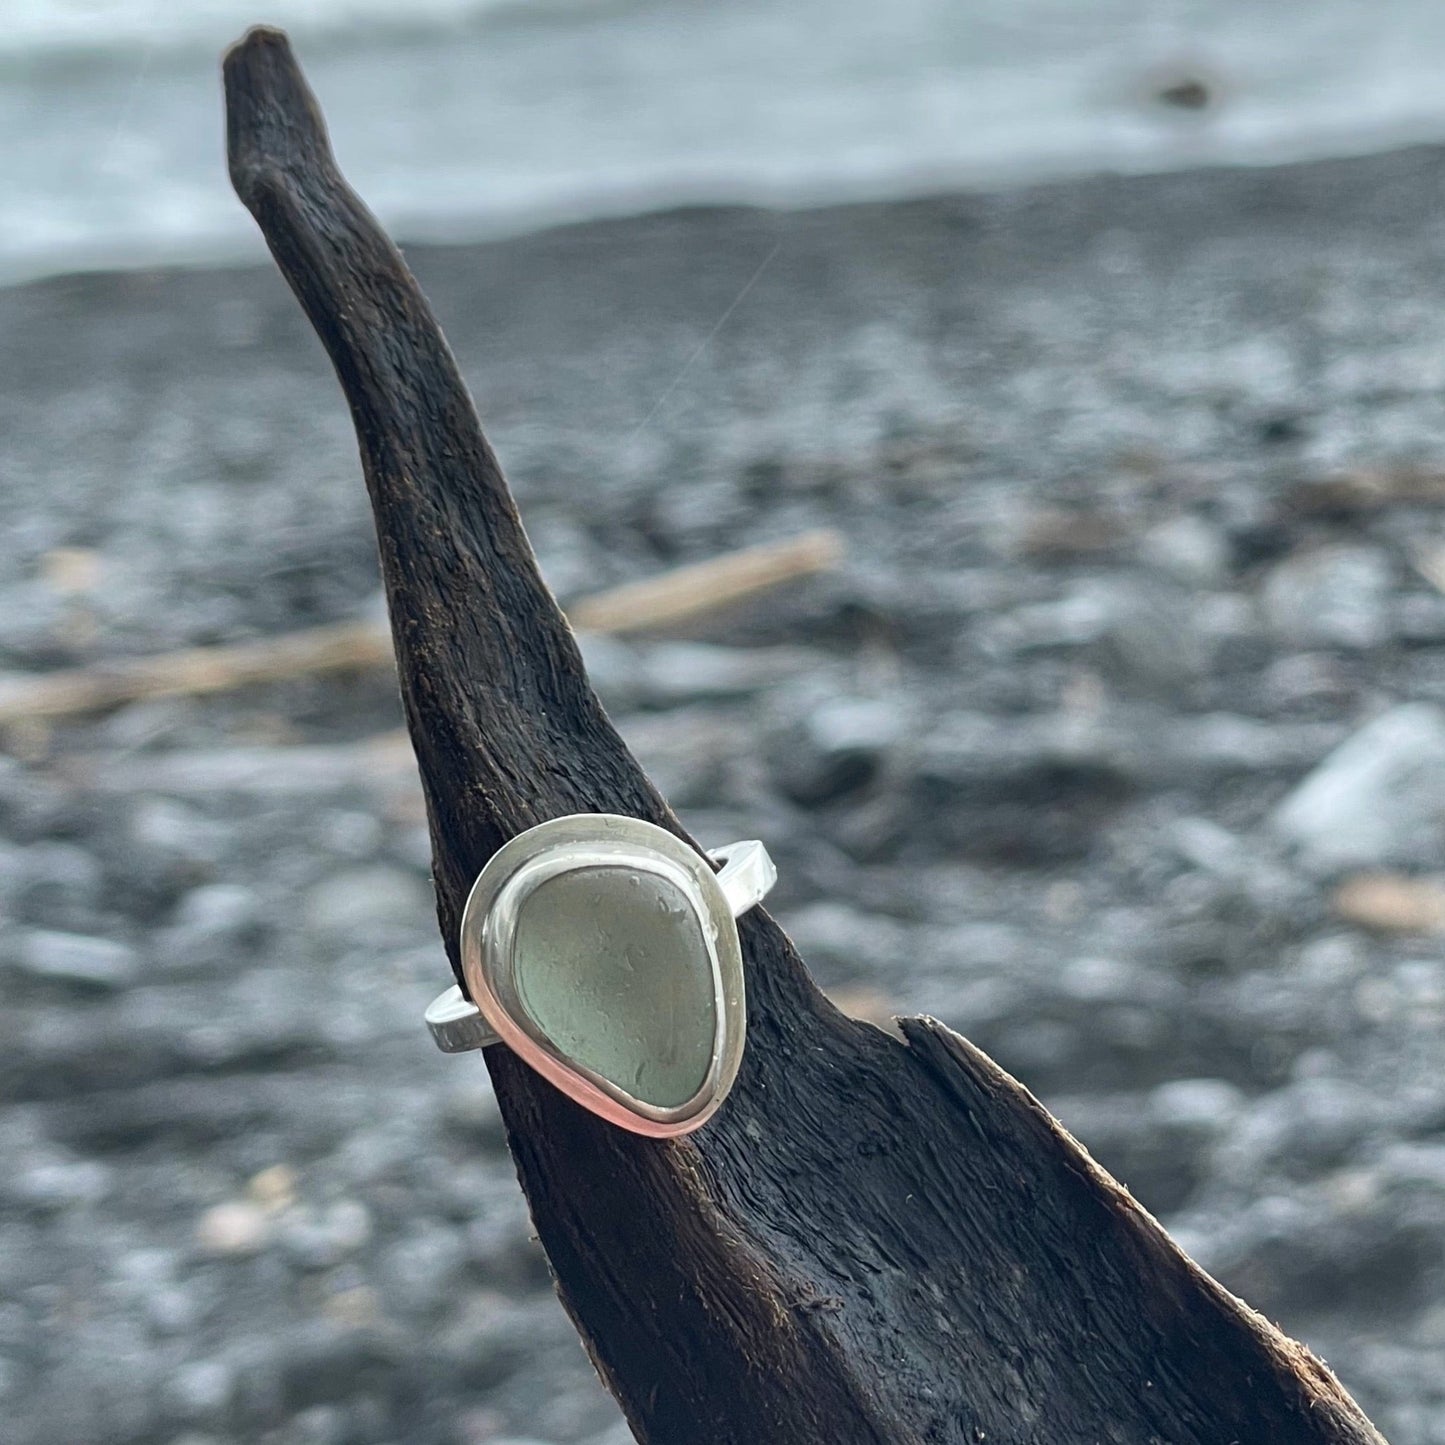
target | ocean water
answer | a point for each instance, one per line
(462, 118)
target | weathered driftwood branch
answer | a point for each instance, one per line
(875, 1240)
(677, 596)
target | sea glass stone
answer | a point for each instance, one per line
(610, 963)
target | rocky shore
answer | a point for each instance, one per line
(1117, 742)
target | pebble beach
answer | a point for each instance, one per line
(1116, 740)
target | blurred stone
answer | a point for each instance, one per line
(350, 834)
(218, 914)
(1378, 799)
(1392, 903)
(172, 1310)
(1188, 549)
(484, 1340)
(1186, 93)
(1052, 534)
(238, 1227)
(322, 1362)
(1094, 980)
(59, 1183)
(1147, 629)
(669, 673)
(319, 1425)
(839, 937)
(31, 804)
(838, 748)
(422, 1269)
(1079, 617)
(361, 901)
(73, 958)
(320, 1237)
(58, 885)
(1153, 634)
(71, 571)
(1205, 1105)
(177, 831)
(274, 1187)
(200, 1391)
(1333, 597)
(1420, 620)
(355, 1307)
(1244, 866)
(1306, 677)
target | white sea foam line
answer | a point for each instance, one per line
(60, 26)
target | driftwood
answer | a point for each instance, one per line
(875, 1240)
(681, 595)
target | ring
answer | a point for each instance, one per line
(604, 951)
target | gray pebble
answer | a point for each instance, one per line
(321, 1362)
(1188, 549)
(838, 747)
(57, 1184)
(224, 912)
(320, 1237)
(1378, 799)
(1208, 1106)
(177, 831)
(363, 902)
(199, 1392)
(76, 959)
(31, 805)
(320, 1425)
(59, 885)
(484, 1339)
(422, 1270)
(1153, 635)
(1333, 597)
(350, 834)
(669, 673)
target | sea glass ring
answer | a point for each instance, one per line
(604, 951)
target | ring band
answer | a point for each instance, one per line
(604, 951)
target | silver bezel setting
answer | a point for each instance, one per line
(488, 938)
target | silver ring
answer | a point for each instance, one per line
(604, 951)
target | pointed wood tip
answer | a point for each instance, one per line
(273, 119)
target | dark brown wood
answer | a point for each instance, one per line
(875, 1240)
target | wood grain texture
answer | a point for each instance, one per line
(875, 1240)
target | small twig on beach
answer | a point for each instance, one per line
(345, 646)
(672, 598)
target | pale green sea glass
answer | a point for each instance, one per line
(611, 965)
